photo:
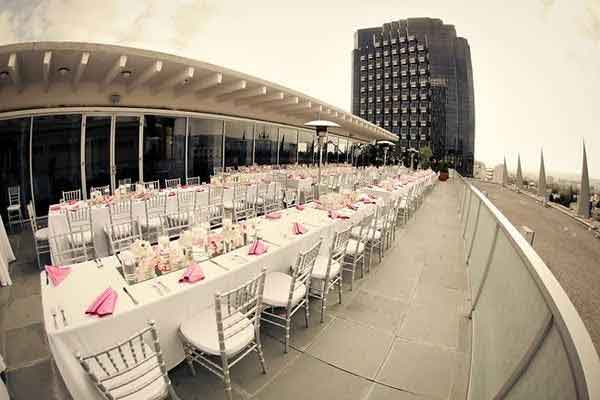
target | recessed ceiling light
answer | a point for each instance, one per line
(4, 75)
(126, 73)
(63, 71)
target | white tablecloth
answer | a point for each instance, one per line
(6, 256)
(86, 281)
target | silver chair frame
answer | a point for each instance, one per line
(41, 246)
(68, 195)
(64, 248)
(172, 183)
(15, 215)
(352, 259)
(122, 235)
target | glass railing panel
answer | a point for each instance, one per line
(471, 218)
(480, 250)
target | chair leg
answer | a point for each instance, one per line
(306, 310)
(259, 351)
(287, 332)
(188, 359)
(323, 298)
(227, 382)
(340, 282)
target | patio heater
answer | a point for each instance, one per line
(412, 152)
(387, 144)
(321, 128)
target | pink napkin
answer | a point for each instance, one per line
(200, 189)
(184, 186)
(257, 248)
(192, 274)
(273, 215)
(334, 214)
(300, 207)
(104, 304)
(172, 194)
(367, 200)
(57, 274)
(298, 228)
(55, 208)
(352, 206)
(72, 202)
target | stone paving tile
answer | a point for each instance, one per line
(39, 381)
(204, 386)
(26, 345)
(431, 323)
(23, 312)
(374, 310)
(352, 347)
(382, 392)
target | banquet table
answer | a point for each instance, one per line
(84, 333)
(6, 256)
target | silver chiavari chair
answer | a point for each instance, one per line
(120, 210)
(262, 192)
(273, 200)
(122, 235)
(124, 181)
(102, 189)
(243, 204)
(172, 183)
(131, 369)
(230, 331)
(215, 214)
(154, 207)
(328, 269)
(290, 197)
(69, 248)
(192, 181)
(174, 223)
(152, 186)
(215, 194)
(15, 215)
(39, 228)
(298, 284)
(355, 251)
(375, 235)
(187, 200)
(80, 219)
(308, 195)
(404, 206)
(70, 195)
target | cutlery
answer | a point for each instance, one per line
(98, 263)
(119, 259)
(47, 279)
(53, 311)
(164, 286)
(130, 296)
(62, 312)
(158, 288)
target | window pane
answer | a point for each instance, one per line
(305, 147)
(14, 160)
(288, 146)
(205, 147)
(266, 145)
(56, 157)
(127, 146)
(97, 151)
(164, 148)
(238, 143)
(332, 142)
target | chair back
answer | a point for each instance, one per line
(186, 200)
(124, 181)
(214, 213)
(122, 235)
(239, 308)
(193, 181)
(152, 185)
(128, 367)
(172, 183)
(290, 197)
(309, 195)
(69, 248)
(302, 271)
(215, 194)
(70, 195)
(119, 211)
(339, 244)
(101, 189)
(173, 224)
(80, 219)
(33, 220)
(244, 198)
(14, 195)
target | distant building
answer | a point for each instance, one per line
(489, 174)
(479, 170)
(549, 180)
(498, 173)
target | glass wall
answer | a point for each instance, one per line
(55, 158)
(127, 148)
(342, 150)
(288, 146)
(332, 151)
(14, 160)
(164, 148)
(97, 151)
(205, 147)
(306, 142)
(265, 147)
(239, 136)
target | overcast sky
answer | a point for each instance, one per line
(536, 63)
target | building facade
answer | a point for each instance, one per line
(414, 78)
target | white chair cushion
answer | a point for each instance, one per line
(228, 205)
(277, 290)
(76, 239)
(320, 268)
(152, 391)
(371, 234)
(153, 223)
(13, 207)
(201, 331)
(351, 248)
(402, 203)
(42, 234)
(260, 201)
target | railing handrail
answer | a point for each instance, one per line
(579, 347)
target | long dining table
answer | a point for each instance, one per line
(70, 330)
(6, 256)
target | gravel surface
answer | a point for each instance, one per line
(567, 247)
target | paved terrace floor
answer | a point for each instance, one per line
(400, 334)
(566, 246)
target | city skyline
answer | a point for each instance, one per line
(519, 106)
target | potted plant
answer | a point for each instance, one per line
(443, 171)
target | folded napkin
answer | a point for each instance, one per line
(298, 228)
(55, 208)
(72, 202)
(200, 189)
(334, 214)
(352, 206)
(57, 274)
(184, 186)
(273, 215)
(257, 248)
(300, 207)
(192, 274)
(104, 304)
(172, 194)
(367, 200)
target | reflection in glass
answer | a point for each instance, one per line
(306, 141)
(288, 146)
(332, 156)
(164, 148)
(205, 147)
(56, 157)
(238, 143)
(14, 160)
(265, 151)
(97, 151)
(127, 148)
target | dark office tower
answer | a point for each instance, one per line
(414, 78)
